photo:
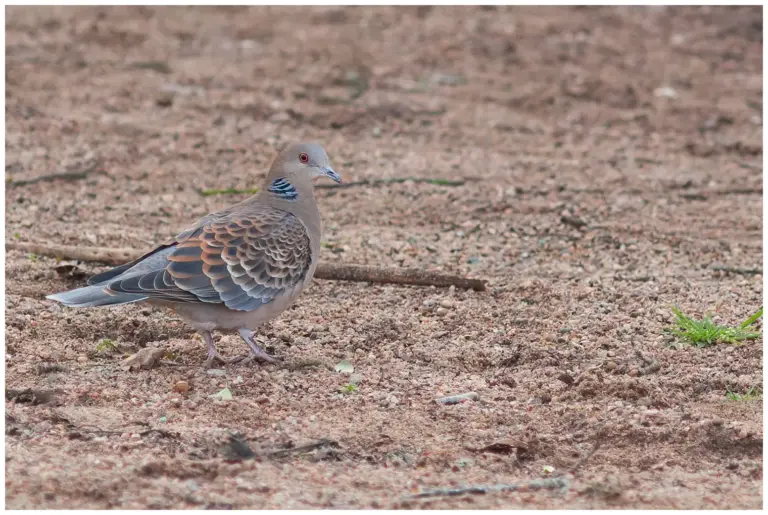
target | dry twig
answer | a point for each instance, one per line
(331, 272)
(66, 176)
(282, 453)
(344, 185)
(397, 180)
(552, 483)
(651, 365)
(735, 270)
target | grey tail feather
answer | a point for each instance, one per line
(92, 296)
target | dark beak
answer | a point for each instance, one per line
(332, 174)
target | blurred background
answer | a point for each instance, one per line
(595, 165)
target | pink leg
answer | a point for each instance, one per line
(213, 356)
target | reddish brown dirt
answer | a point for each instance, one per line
(620, 158)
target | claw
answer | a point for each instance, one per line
(257, 352)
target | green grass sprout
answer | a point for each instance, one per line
(349, 388)
(754, 393)
(106, 345)
(703, 333)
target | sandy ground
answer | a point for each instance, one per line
(612, 159)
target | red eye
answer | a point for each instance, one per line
(303, 157)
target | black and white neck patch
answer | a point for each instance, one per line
(283, 189)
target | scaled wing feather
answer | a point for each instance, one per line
(243, 259)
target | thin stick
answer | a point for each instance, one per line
(282, 453)
(67, 176)
(414, 276)
(740, 271)
(553, 483)
(328, 271)
(343, 185)
(228, 191)
(93, 254)
(600, 436)
(397, 180)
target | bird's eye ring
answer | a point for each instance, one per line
(303, 157)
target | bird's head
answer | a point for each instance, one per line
(298, 164)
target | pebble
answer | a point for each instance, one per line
(441, 312)
(82, 358)
(429, 303)
(633, 373)
(456, 399)
(181, 387)
(216, 372)
(610, 365)
(446, 303)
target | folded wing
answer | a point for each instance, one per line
(241, 260)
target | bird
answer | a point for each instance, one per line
(234, 269)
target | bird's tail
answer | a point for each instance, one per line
(92, 296)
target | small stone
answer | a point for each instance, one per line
(610, 365)
(181, 387)
(216, 372)
(429, 303)
(743, 433)
(446, 303)
(441, 312)
(82, 358)
(717, 421)
(633, 373)
(665, 91)
(165, 100)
